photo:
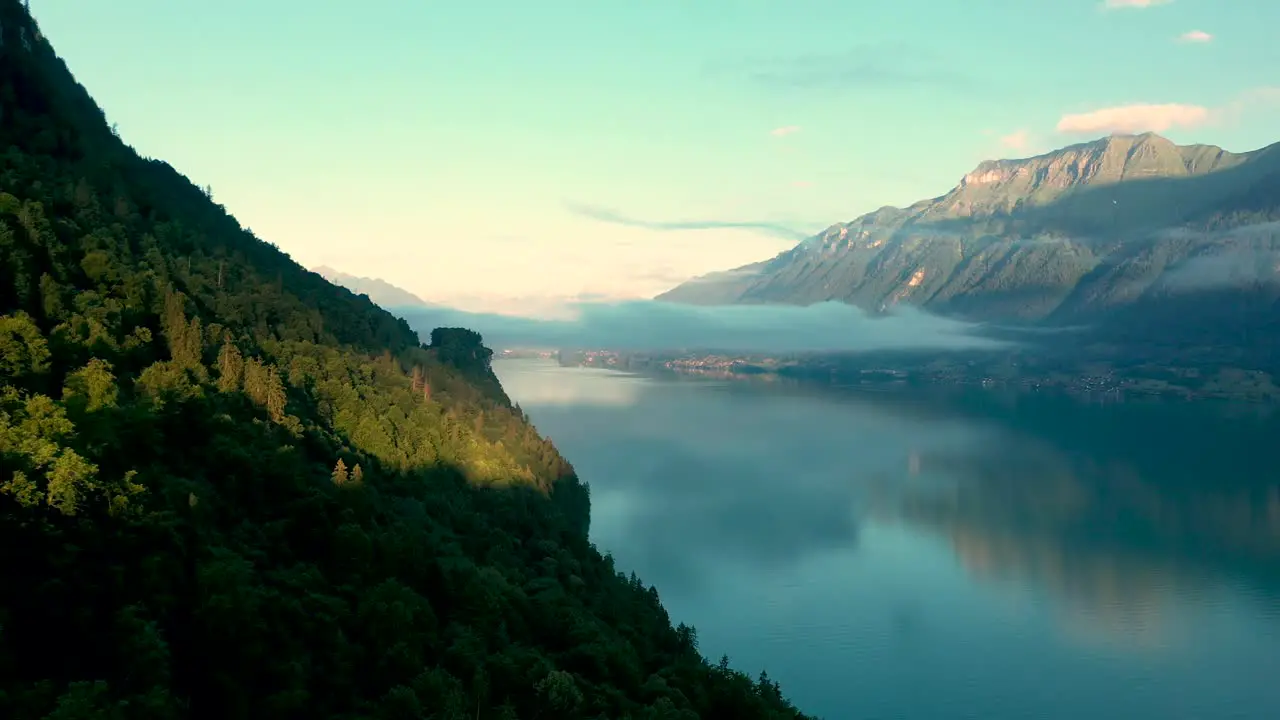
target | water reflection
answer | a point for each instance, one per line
(692, 475)
(768, 474)
(592, 387)
(903, 554)
(1111, 598)
(1115, 537)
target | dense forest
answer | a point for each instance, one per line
(230, 489)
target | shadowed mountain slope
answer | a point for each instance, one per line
(1145, 239)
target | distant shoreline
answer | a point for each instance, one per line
(1094, 380)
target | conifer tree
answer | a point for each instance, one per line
(230, 368)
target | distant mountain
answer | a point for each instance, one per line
(1152, 240)
(379, 291)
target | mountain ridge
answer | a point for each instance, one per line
(381, 292)
(1112, 159)
(1132, 224)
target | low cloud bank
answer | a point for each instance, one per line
(1245, 258)
(651, 325)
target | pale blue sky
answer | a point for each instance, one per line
(488, 149)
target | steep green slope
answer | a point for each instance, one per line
(229, 489)
(1150, 239)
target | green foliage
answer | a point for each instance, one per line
(23, 350)
(231, 489)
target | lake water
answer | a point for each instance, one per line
(929, 554)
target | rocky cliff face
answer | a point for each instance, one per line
(1004, 186)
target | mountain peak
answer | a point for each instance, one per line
(997, 186)
(379, 291)
(1105, 157)
(1132, 137)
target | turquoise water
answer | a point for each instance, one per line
(913, 554)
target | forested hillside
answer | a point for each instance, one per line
(230, 489)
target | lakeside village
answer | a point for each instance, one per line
(1093, 379)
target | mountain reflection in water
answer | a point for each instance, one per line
(904, 554)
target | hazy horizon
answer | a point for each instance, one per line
(648, 325)
(431, 147)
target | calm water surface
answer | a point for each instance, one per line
(916, 554)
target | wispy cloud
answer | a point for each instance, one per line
(1244, 256)
(607, 215)
(1253, 101)
(1018, 140)
(860, 67)
(1134, 118)
(785, 130)
(1195, 36)
(1144, 117)
(1136, 4)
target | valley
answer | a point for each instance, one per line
(436, 413)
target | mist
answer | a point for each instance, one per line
(648, 325)
(1240, 257)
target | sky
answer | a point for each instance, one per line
(493, 154)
